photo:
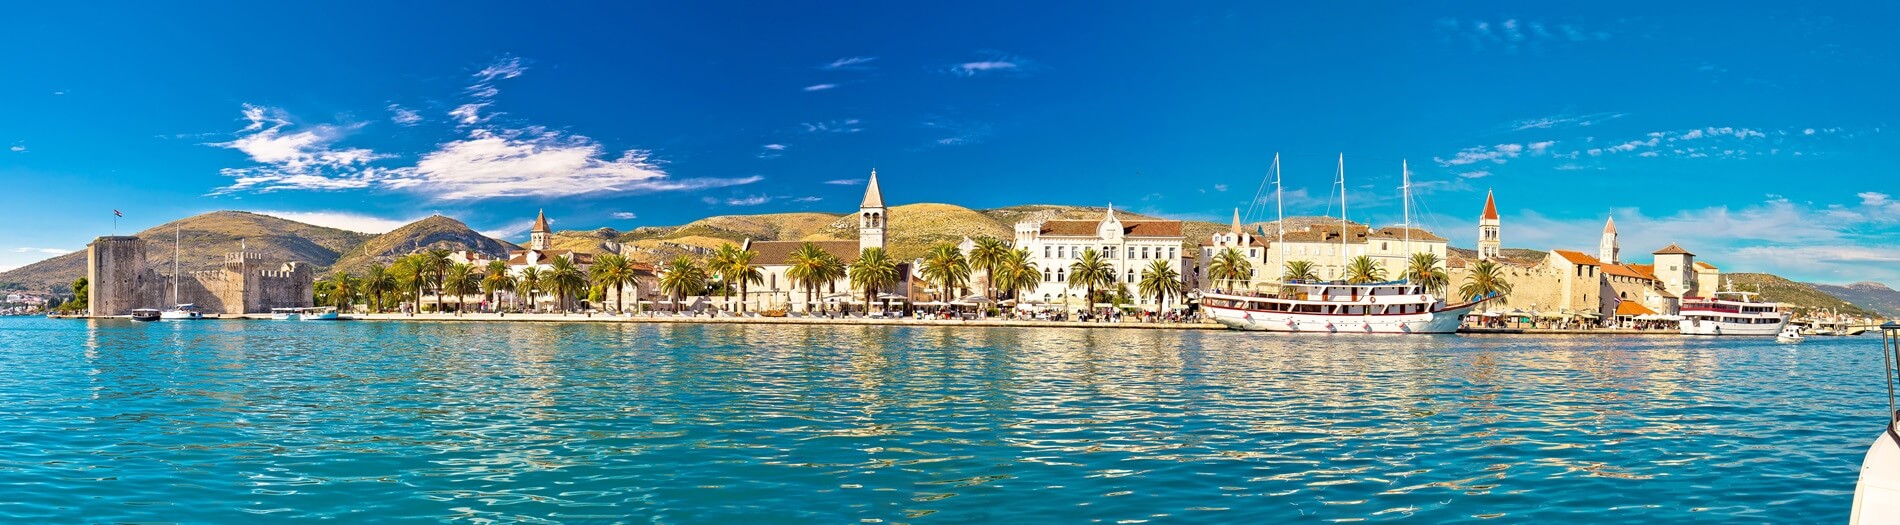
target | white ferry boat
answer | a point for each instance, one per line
(286, 314)
(303, 314)
(183, 312)
(1379, 308)
(1732, 313)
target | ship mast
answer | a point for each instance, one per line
(1279, 209)
(1406, 189)
(1342, 216)
(177, 238)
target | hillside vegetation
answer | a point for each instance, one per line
(1872, 296)
(1802, 295)
(206, 238)
(433, 232)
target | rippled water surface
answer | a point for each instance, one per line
(225, 421)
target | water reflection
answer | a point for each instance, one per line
(683, 423)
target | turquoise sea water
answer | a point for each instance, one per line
(230, 421)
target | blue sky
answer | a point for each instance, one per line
(1751, 135)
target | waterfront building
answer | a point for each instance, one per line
(773, 259)
(1128, 247)
(122, 279)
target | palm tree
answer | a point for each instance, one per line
(342, 288)
(1089, 272)
(945, 266)
(987, 256)
(461, 280)
(734, 266)
(414, 271)
(616, 271)
(496, 279)
(1487, 278)
(808, 268)
(1300, 271)
(437, 260)
(527, 283)
(1017, 272)
(1230, 266)
(377, 283)
(567, 279)
(1424, 271)
(1160, 281)
(873, 271)
(1362, 270)
(682, 277)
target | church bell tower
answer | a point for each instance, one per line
(871, 216)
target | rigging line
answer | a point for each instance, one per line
(1257, 194)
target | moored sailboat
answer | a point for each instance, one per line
(1398, 307)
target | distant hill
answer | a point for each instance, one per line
(206, 239)
(1872, 296)
(433, 232)
(1802, 295)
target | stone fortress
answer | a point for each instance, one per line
(121, 279)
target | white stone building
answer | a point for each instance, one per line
(773, 259)
(1128, 247)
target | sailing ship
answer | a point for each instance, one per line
(1732, 313)
(181, 311)
(1399, 307)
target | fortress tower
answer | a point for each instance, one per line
(115, 275)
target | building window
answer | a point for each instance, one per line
(1047, 251)
(1046, 276)
(1059, 275)
(1131, 275)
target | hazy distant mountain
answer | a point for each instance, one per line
(1872, 296)
(435, 231)
(206, 239)
(1777, 289)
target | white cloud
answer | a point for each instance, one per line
(17, 148)
(341, 220)
(48, 251)
(1498, 154)
(820, 87)
(846, 182)
(808, 199)
(1872, 198)
(849, 63)
(512, 229)
(1220, 187)
(772, 151)
(1512, 35)
(404, 116)
(775, 147)
(1565, 121)
(1479, 174)
(753, 200)
(487, 162)
(833, 126)
(625, 215)
(993, 62)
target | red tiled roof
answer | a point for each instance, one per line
(1490, 207)
(520, 257)
(1394, 232)
(777, 253)
(541, 223)
(1633, 308)
(1578, 258)
(1672, 249)
(1086, 228)
(1610, 227)
(1700, 264)
(1628, 270)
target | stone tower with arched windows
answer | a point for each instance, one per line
(1488, 241)
(541, 237)
(871, 216)
(1607, 249)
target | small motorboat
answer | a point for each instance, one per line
(183, 312)
(1790, 334)
(318, 314)
(1877, 494)
(286, 314)
(145, 314)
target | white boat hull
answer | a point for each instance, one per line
(180, 316)
(1707, 327)
(285, 317)
(321, 316)
(1439, 322)
(1877, 495)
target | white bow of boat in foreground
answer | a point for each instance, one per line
(1877, 496)
(1339, 308)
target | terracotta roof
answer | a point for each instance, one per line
(779, 253)
(1700, 264)
(1327, 234)
(1490, 207)
(520, 257)
(1633, 308)
(541, 223)
(1610, 226)
(873, 197)
(1648, 270)
(1672, 249)
(1394, 232)
(1625, 270)
(1086, 228)
(1578, 258)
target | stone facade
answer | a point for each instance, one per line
(243, 283)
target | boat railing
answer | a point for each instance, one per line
(1890, 353)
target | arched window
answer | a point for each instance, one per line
(1060, 277)
(1046, 276)
(1131, 275)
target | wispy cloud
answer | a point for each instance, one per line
(833, 126)
(820, 87)
(625, 215)
(772, 151)
(487, 162)
(993, 63)
(1479, 174)
(48, 251)
(341, 220)
(753, 200)
(513, 229)
(17, 148)
(1513, 35)
(846, 182)
(1565, 121)
(959, 132)
(404, 116)
(849, 63)
(807, 199)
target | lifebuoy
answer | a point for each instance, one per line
(1372, 300)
